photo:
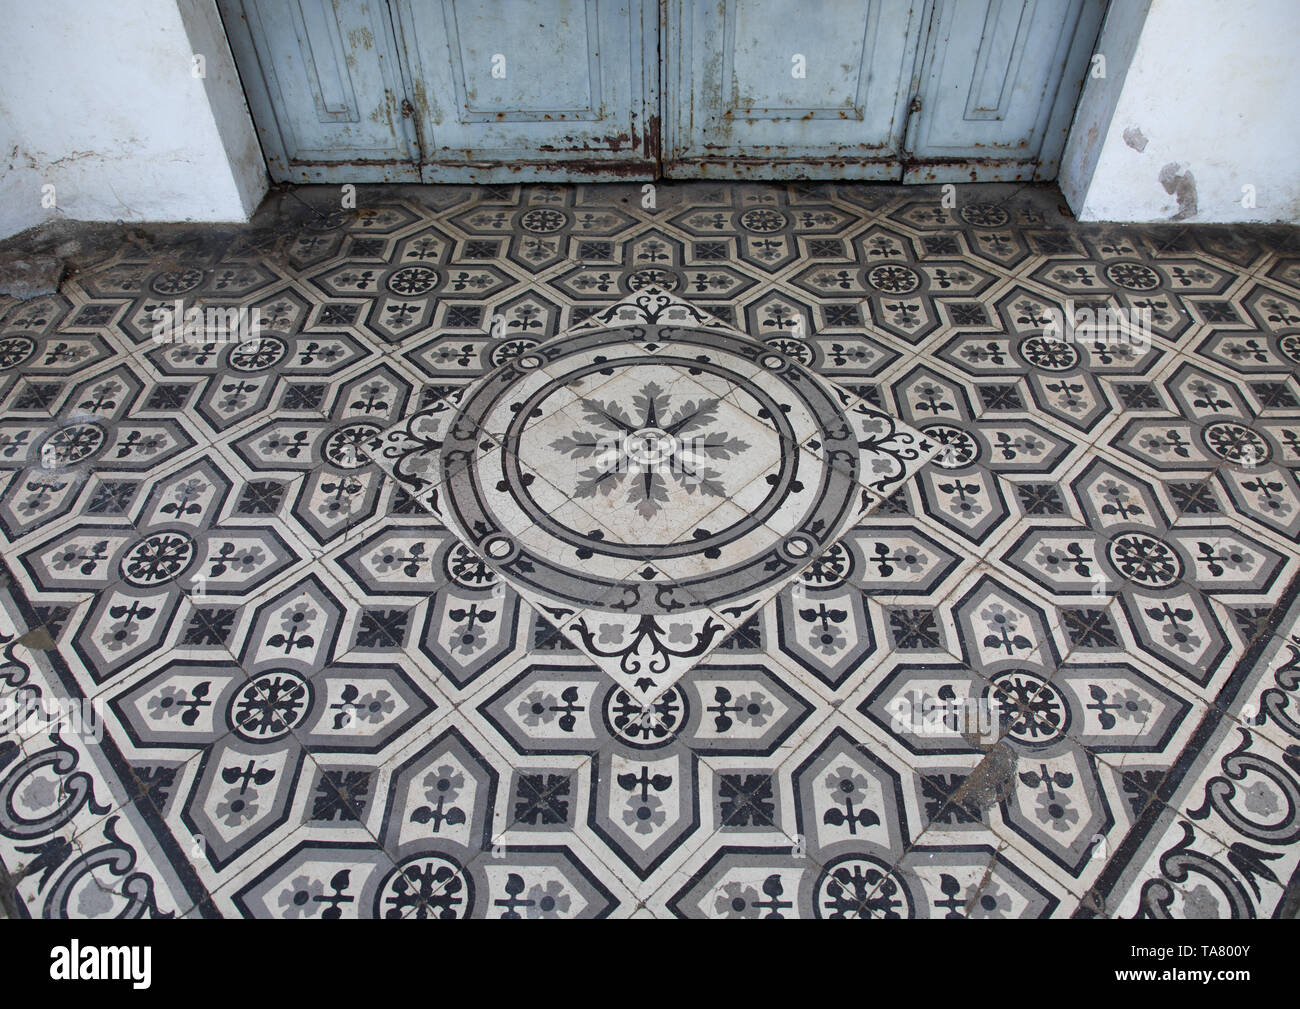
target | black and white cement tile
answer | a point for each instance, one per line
(764, 553)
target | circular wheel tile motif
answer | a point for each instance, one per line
(159, 558)
(270, 706)
(1234, 442)
(1144, 559)
(1033, 711)
(646, 726)
(258, 354)
(985, 215)
(1134, 276)
(859, 886)
(543, 220)
(763, 220)
(1049, 354)
(14, 350)
(73, 443)
(413, 281)
(427, 886)
(649, 485)
(892, 278)
(688, 457)
(177, 281)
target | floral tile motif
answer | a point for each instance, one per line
(549, 555)
(648, 483)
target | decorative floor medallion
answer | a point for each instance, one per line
(643, 607)
(649, 479)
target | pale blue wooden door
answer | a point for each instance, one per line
(922, 90)
(998, 88)
(507, 90)
(450, 90)
(503, 90)
(787, 88)
(325, 87)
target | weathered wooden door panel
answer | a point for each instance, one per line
(998, 85)
(499, 90)
(547, 90)
(325, 88)
(787, 88)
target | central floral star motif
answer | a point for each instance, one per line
(651, 450)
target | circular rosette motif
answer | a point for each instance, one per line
(158, 558)
(1032, 711)
(1144, 559)
(1235, 443)
(651, 470)
(270, 706)
(861, 886)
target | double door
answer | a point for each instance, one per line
(600, 90)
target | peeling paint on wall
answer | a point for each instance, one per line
(1182, 187)
(139, 138)
(1209, 91)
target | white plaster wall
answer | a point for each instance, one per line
(98, 98)
(1214, 90)
(20, 184)
(1118, 41)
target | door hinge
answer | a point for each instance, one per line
(914, 106)
(408, 110)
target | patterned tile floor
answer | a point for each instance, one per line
(755, 554)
